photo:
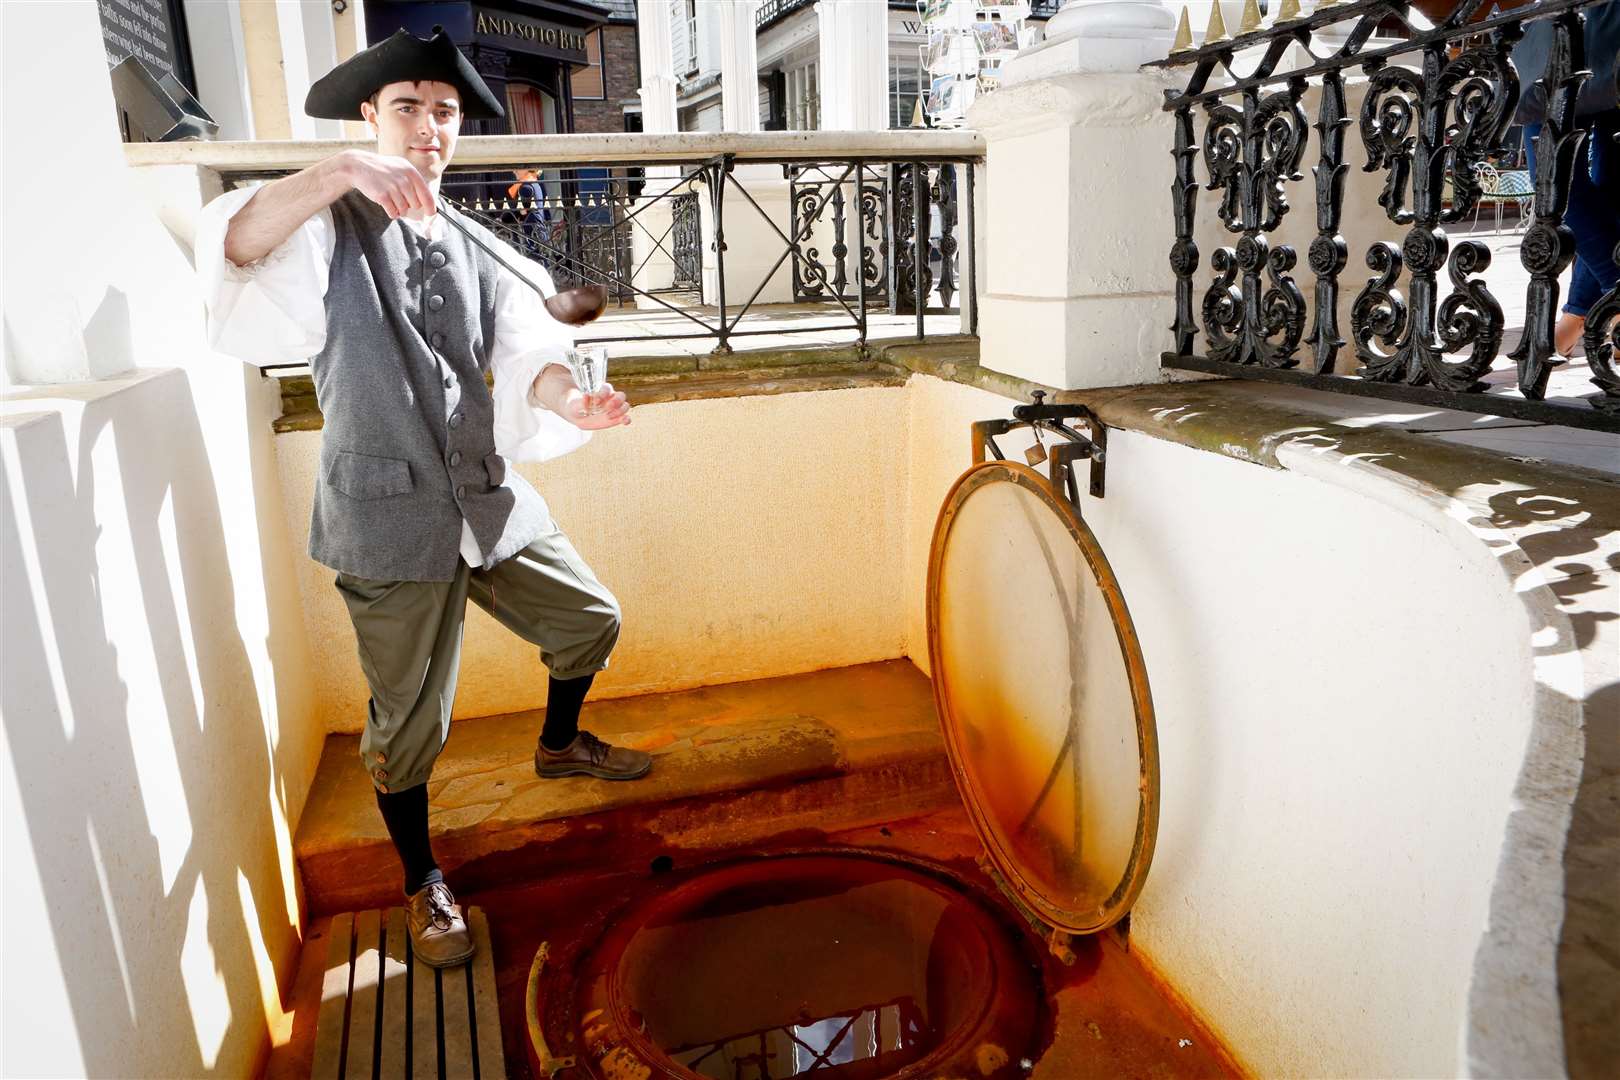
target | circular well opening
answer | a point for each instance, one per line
(841, 965)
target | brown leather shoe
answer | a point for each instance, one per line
(589, 756)
(439, 935)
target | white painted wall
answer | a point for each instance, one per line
(1329, 840)
(157, 744)
(724, 527)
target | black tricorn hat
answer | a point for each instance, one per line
(404, 57)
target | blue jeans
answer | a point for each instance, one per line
(1594, 210)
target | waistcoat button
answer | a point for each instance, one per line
(461, 491)
(435, 302)
(449, 382)
(437, 258)
(438, 341)
(455, 419)
(455, 458)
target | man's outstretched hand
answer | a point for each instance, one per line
(555, 389)
(612, 408)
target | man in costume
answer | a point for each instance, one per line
(402, 305)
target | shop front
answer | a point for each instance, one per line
(527, 50)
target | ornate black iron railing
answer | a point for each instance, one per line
(774, 11)
(842, 251)
(1437, 104)
(577, 222)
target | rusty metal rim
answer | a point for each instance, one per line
(1124, 895)
(937, 877)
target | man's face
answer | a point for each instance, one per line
(417, 121)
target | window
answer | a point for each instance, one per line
(589, 81)
(905, 85)
(530, 110)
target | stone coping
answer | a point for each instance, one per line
(627, 148)
(651, 380)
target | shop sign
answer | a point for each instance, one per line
(520, 32)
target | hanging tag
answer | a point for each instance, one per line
(1037, 453)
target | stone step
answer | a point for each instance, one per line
(783, 760)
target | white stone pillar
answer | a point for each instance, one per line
(739, 65)
(1078, 291)
(308, 51)
(657, 67)
(1097, 35)
(854, 65)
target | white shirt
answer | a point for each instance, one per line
(273, 311)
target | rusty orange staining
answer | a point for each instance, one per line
(1043, 696)
(990, 1059)
(621, 1064)
(1102, 1017)
(796, 965)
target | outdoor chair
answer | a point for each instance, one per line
(1513, 185)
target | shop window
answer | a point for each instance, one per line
(589, 81)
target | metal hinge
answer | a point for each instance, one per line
(1055, 420)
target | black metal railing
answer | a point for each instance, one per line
(575, 222)
(770, 12)
(842, 251)
(852, 236)
(1426, 124)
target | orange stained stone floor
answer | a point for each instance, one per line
(848, 758)
(733, 764)
(1106, 1016)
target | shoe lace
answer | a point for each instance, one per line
(595, 747)
(440, 905)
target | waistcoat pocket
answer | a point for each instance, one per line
(495, 466)
(363, 476)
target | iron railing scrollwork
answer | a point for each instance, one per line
(773, 11)
(856, 245)
(923, 209)
(687, 242)
(1425, 327)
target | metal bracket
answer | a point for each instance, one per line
(1060, 463)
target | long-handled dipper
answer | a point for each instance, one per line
(576, 307)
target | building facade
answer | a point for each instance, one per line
(559, 65)
(528, 51)
(788, 40)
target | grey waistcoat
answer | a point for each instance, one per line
(396, 477)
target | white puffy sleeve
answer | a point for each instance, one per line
(527, 339)
(273, 310)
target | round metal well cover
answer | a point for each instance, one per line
(1043, 696)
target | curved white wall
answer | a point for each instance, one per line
(1344, 684)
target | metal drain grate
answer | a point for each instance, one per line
(385, 1015)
